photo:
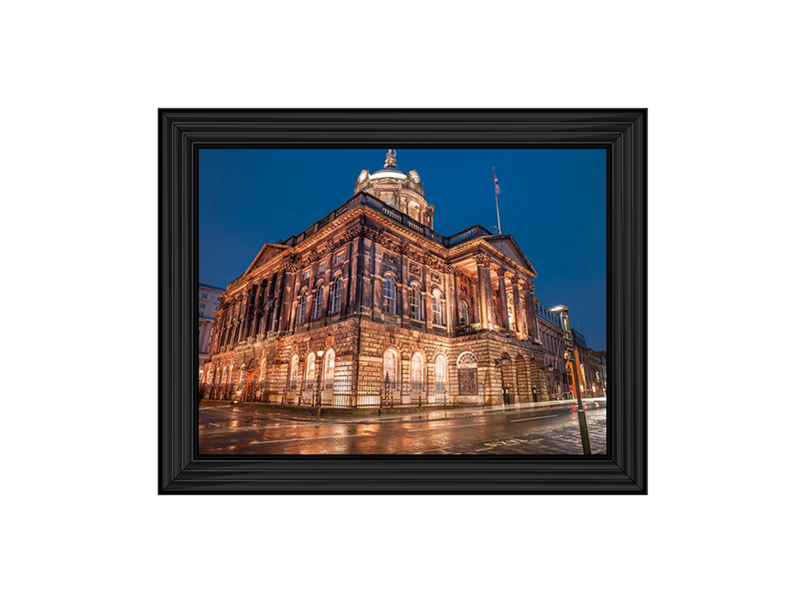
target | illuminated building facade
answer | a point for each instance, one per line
(372, 306)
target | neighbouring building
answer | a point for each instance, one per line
(208, 302)
(370, 305)
(552, 336)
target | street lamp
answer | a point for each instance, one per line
(572, 355)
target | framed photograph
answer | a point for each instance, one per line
(402, 301)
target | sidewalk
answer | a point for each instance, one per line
(408, 414)
(418, 415)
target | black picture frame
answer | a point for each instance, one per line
(622, 132)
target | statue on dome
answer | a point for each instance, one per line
(390, 159)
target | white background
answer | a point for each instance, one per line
(81, 86)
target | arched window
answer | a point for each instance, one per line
(335, 296)
(464, 313)
(389, 362)
(440, 374)
(415, 300)
(302, 309)
(417, 372)
(309, 371)
(438, 306)
(294, 372)
(317, 301)
(467, 359)
(389, 295)
(329, 366)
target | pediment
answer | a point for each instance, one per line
(508, 247)
(267, 252)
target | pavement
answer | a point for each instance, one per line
(402, 413)
(535, 428)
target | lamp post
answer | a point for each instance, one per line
(572, 355)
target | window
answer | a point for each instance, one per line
(306, 274)
(322, 267)
(340, 257)
(319, 298)
(203, 305)
(203, 296)
(441, 374)
(294, 372)
(415, 299)
(329, 366)
(416, 372)
(309, 371)
(302, 309)
(335, 306)
(389, 369)
(438, 315)
(389, 296)
(464, 313)
(262, 370)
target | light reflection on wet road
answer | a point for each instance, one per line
(245, 430)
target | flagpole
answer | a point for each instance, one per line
(499, 230)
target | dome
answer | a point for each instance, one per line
(394, 187)
(388, 173)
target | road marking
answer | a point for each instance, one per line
(356, 435)
(532, 418)
(447, 427)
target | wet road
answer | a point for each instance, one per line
(250, 430)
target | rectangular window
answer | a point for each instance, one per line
(306, 275)
(413, 298)
(203, 295)
(322, 267)
(336, 296)
(319, 295)
(203, 305)
(340, 257)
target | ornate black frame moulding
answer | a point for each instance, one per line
(623, 133)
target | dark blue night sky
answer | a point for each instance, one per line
(553, 202)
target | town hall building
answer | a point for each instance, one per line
(371, 306)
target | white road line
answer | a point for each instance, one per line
(356, 435)
(448, 427)
(532, 418)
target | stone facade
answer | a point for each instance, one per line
(370, 305)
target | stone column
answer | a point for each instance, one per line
(257, 311)
(484, 286)
(289, 304)
(349, 285)
(376, 306)
(427, 299)
(454, 297)
(404, 303)
(517, 310)
(503, 299)
(530, 307)
(354, 299)
(268, 306)
(239, 319)
(366, 289)
(278, 295)
(327, 276)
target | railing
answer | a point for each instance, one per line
(395, 214)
